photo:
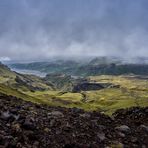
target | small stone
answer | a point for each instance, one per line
(5, 115)
(85, 115)
(29, 124)
(16, 117)
(56, 114)
(19, 145)
(16, 127)
(13, 110)
(36, 144)
(144, 127)
(101, 127)
(101, 136)
(123, 128)
(76, 110)
(143, 146)
(67, 127)
(146, 110)
(46, 130)
(122, 135)
(58, 132)
(134, 139)
(8, 124)
(52, 122)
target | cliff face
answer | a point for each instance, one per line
(24, 124)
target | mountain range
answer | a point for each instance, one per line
(96, 66)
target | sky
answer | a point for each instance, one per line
(42, 29)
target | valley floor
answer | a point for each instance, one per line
(125, 91)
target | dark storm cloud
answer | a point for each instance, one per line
(37, 29)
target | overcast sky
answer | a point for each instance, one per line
(40, 29)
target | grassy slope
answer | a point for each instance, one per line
(132, 92)
(9, 86)
(14, 92)
(8, 77)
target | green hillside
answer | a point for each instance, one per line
(114, 92)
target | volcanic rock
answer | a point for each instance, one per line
(29, 125)
(123, 128)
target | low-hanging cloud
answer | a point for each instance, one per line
(40, 29)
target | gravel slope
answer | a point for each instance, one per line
(27, 125)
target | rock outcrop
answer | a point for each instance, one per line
(86, 86)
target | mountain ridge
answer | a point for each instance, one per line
(97, 66)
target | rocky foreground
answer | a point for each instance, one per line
(27, 125)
